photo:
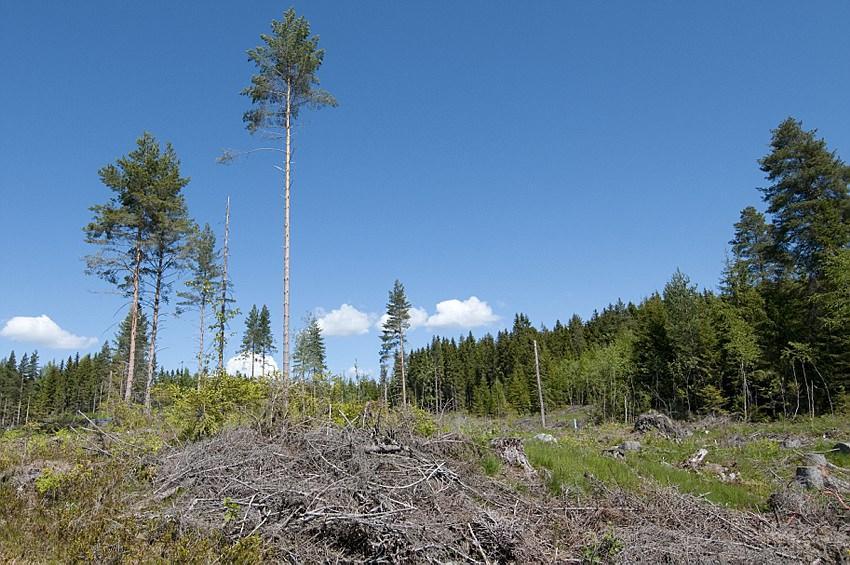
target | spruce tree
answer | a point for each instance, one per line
(250, 339)
(265, 338)
(309, 356)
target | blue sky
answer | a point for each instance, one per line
(546, 158)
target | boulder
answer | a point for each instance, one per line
(630, 445)
(659, 422)
(546, 438)
(791, 443)
(815, 473)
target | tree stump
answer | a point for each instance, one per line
(511, 452)
(695, 461)
(810, 477)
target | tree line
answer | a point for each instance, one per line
(773, 341)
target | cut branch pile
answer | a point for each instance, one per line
(346, 495)
(663, 525)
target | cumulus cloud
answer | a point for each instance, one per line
(41, 330)
(345, 320)
(469, 313)
(354, 372)
(418, 317)
(241, 364)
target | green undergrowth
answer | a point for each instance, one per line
(751, 451)
(61, 502)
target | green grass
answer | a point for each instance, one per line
(570, 463)
(491, 465)
(750, 450)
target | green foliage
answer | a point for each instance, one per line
(601, 549)
(49, 482)
(231, 510)
(222, 401)
(309, 356)
(423, 423)
(288, 62)
(491, 465)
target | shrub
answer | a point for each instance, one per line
(222, 401)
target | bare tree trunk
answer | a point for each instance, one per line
(744, 376)
(287, 185)
(403, 379)
(809, 391)
(796, 387)
(223, 320)
(386, 396)
(201, 365)
(152, 350)
(539, 387)
(826, 388)
(20, 400)
(436, 392)
(134, 322)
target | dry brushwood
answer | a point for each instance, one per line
(663, 525)
(331, 495)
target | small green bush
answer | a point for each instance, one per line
(491, 465)
(49, 482)
(222, 401)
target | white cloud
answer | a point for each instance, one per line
(41, 330)
(242, 364)
(345, 320)
(352, 372)
(418, 317)
(468, 313)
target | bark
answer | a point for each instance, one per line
(403, 379)
(134, 322)
(287, 186)
(223, 320)
(160, 268)
(201, 368)
(539, 386)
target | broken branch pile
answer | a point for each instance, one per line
(336, 494)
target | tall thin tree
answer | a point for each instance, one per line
(202, 287)
(286, 81)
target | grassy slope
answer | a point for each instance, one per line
(753, 450)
